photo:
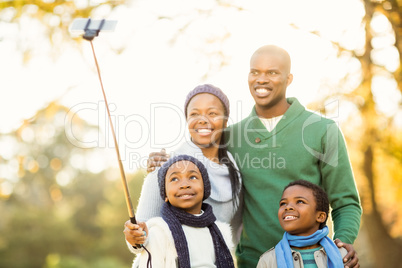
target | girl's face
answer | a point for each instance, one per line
(184, 186)
(206, 120)
(298, 213)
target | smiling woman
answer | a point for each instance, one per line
(206, 119)
(207, 109)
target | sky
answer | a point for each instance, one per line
(148, 65)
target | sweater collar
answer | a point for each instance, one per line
(254, 122)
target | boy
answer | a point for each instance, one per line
(303, 212)
(187, 234)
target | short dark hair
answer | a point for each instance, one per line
(321, 197)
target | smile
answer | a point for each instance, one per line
(186, 196)
(262, 91)
(204, 130)
(289, 218)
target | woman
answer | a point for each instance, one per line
(207, 111)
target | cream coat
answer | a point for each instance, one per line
(160, 244)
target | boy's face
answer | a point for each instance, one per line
(297, 212)
(184, 187)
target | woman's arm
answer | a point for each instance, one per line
(150, 202)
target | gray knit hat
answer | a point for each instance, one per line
(208, 88)
(183, 157)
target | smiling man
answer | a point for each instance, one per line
(280, 141)
(268, 79)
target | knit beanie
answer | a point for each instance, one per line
(183, 157)
(208, 88)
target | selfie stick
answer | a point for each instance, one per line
(90, 34)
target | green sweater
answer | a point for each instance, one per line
(303, 145)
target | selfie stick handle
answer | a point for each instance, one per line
(89, 35)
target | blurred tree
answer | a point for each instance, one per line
(55, 212)
(374, 128)
(381, 140)
(52, 19)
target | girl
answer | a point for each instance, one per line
(187, 233)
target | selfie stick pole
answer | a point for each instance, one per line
(90, 35)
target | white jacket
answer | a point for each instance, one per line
(160, 244)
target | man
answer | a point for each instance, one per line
(279, 142)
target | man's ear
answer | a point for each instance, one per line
(290, 79)
(321, 216)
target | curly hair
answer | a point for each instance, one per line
(321, 197)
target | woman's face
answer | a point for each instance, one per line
(206, 120)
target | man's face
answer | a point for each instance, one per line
(268, 79)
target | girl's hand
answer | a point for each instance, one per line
(135, 234)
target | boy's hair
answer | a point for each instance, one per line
(183, 157)
(321, 197)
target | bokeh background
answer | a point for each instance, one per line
(61, 199)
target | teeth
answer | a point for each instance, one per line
(290, 217)
(204, 130)
(186, 195)
(261, 90)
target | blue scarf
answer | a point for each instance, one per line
(284, 254)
